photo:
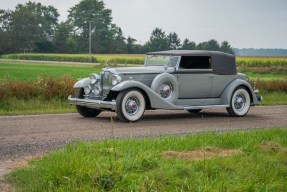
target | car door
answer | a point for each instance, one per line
(194, 77)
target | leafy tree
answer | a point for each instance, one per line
(188, 45)
(173, 41)
(94, 13)
(158, 41)
(225, 47)
(211, 45)
(64, 41)
(119, 44)
(3, 37)
(30, 27)
(131, 45)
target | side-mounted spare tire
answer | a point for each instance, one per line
(83, 110)
(166, 86)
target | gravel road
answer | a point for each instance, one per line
(22, 135)
(26, 136)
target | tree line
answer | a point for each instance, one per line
(33, 27)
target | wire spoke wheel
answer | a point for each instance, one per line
(166, 90)
(130, 105)
(240, 103)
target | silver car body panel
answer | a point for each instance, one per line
(219, 83)
(189, 81)
(226, 95)
(82, 83)
(158, 102)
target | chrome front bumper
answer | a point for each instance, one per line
(95, 104)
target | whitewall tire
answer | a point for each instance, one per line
(130, 105)
(239, 103)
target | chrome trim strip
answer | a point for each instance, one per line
(92, 103)
(205, 107)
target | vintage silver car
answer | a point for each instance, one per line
(176, 79)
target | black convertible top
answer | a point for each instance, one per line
(221, 63)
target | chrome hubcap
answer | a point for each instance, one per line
(166, 90)
(132, 106)
(239, 102)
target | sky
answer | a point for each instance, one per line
(243, 23)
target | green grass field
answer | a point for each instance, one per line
(32, 71)
(166, 163)
(15, 71)
(20, 78)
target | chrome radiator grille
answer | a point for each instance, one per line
(106, 82)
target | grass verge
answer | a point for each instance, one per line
(14, 106)
(141, 164)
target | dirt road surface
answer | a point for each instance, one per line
(26, 136)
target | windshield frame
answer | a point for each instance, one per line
(174, 64)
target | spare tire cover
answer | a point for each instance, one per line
(166, 86)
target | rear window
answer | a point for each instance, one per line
(195, 62)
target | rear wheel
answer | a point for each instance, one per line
(239, 103)
(130, 105)
(85, 111)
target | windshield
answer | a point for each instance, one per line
(161, 60)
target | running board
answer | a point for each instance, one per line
(205, 107)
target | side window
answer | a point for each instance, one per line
(195, 62)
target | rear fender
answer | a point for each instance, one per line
(227, 93)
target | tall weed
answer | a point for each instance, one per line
(46, 87)
(271, 86)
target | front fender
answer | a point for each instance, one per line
(82, 83)
(156, 100)
(227, 93)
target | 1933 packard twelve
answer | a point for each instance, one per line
(176, 79)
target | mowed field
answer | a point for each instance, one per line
(254, 67)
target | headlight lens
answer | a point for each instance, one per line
(97, 90)
(87, 89)
(94, 78)
(116, 79)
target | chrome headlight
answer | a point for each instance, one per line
(116, 79)
(87, 89)
(97, 90)
(95, 78)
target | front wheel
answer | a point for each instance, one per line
(130, 105)
(239, 103)
(85, 111)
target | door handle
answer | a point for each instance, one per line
(211, 76)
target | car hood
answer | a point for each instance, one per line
(137, 70)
